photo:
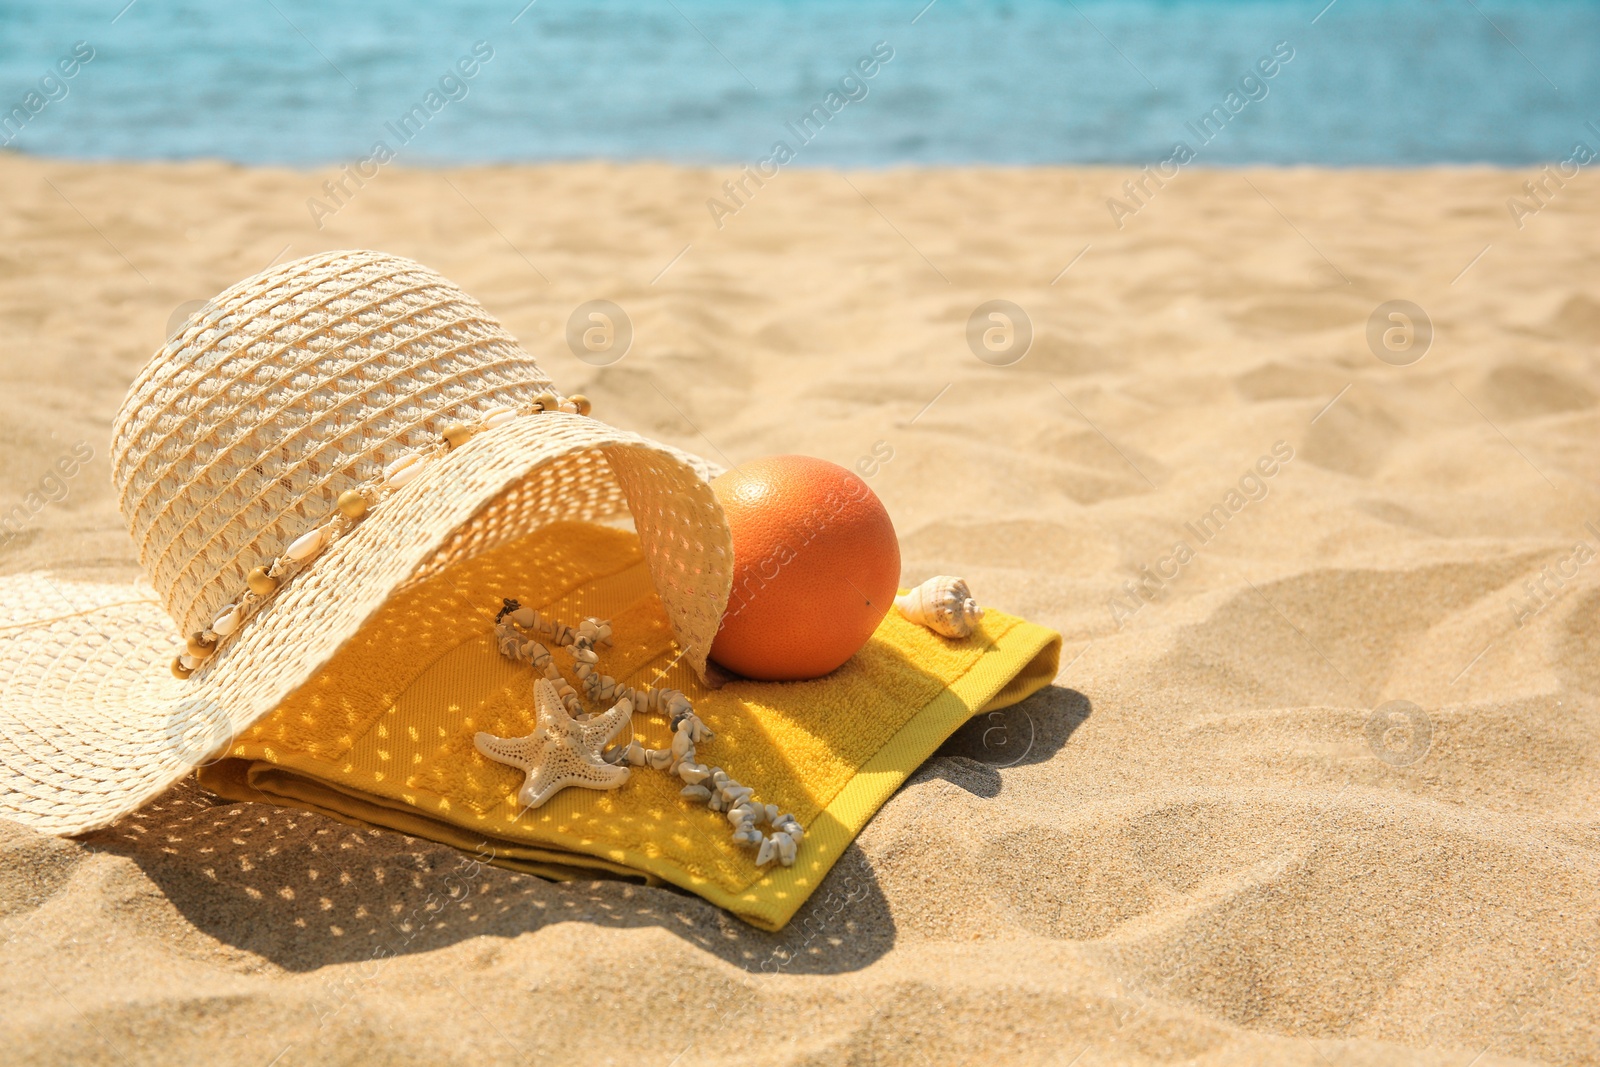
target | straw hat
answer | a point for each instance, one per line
(317, 437)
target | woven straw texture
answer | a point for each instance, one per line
(240, 434)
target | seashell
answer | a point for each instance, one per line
(402, 471)
(943, 604)
(227, 622)
(786, 848)
(306, 545)
(497, 417)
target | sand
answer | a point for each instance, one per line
(1215, 840)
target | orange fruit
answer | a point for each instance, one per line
(816, 566)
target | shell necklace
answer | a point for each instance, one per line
(566, 746)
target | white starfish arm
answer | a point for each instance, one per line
(509, 750)
(550, 778)
(598, 731)
(549, 711)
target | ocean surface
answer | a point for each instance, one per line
(1355, 82)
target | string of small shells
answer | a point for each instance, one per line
(711, 785)
(352, 507)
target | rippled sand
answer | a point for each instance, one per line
(1218, 839)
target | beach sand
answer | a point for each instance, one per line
(1205, 844)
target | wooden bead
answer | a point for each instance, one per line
(261, 583)
(179, 671)
(352, 504)
(547, 401)
(458, 433)
(584, 406)
(198, 648)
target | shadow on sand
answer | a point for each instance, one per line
(304, 891)
(976, 756)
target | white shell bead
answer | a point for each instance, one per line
(786, 847)
(226, 623)
(402, 471)
(306, 545)
(498, 417)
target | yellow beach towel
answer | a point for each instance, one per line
(383, 735)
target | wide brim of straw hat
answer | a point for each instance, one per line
(93, 724)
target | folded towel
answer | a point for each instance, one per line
(383, 736)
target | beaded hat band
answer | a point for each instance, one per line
(316, 438)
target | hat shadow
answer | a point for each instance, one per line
(304, 891)
(1030, 731)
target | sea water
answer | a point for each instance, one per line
(1352, 82)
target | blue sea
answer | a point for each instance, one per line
(1354, 82)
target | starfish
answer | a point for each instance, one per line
(561, 751)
